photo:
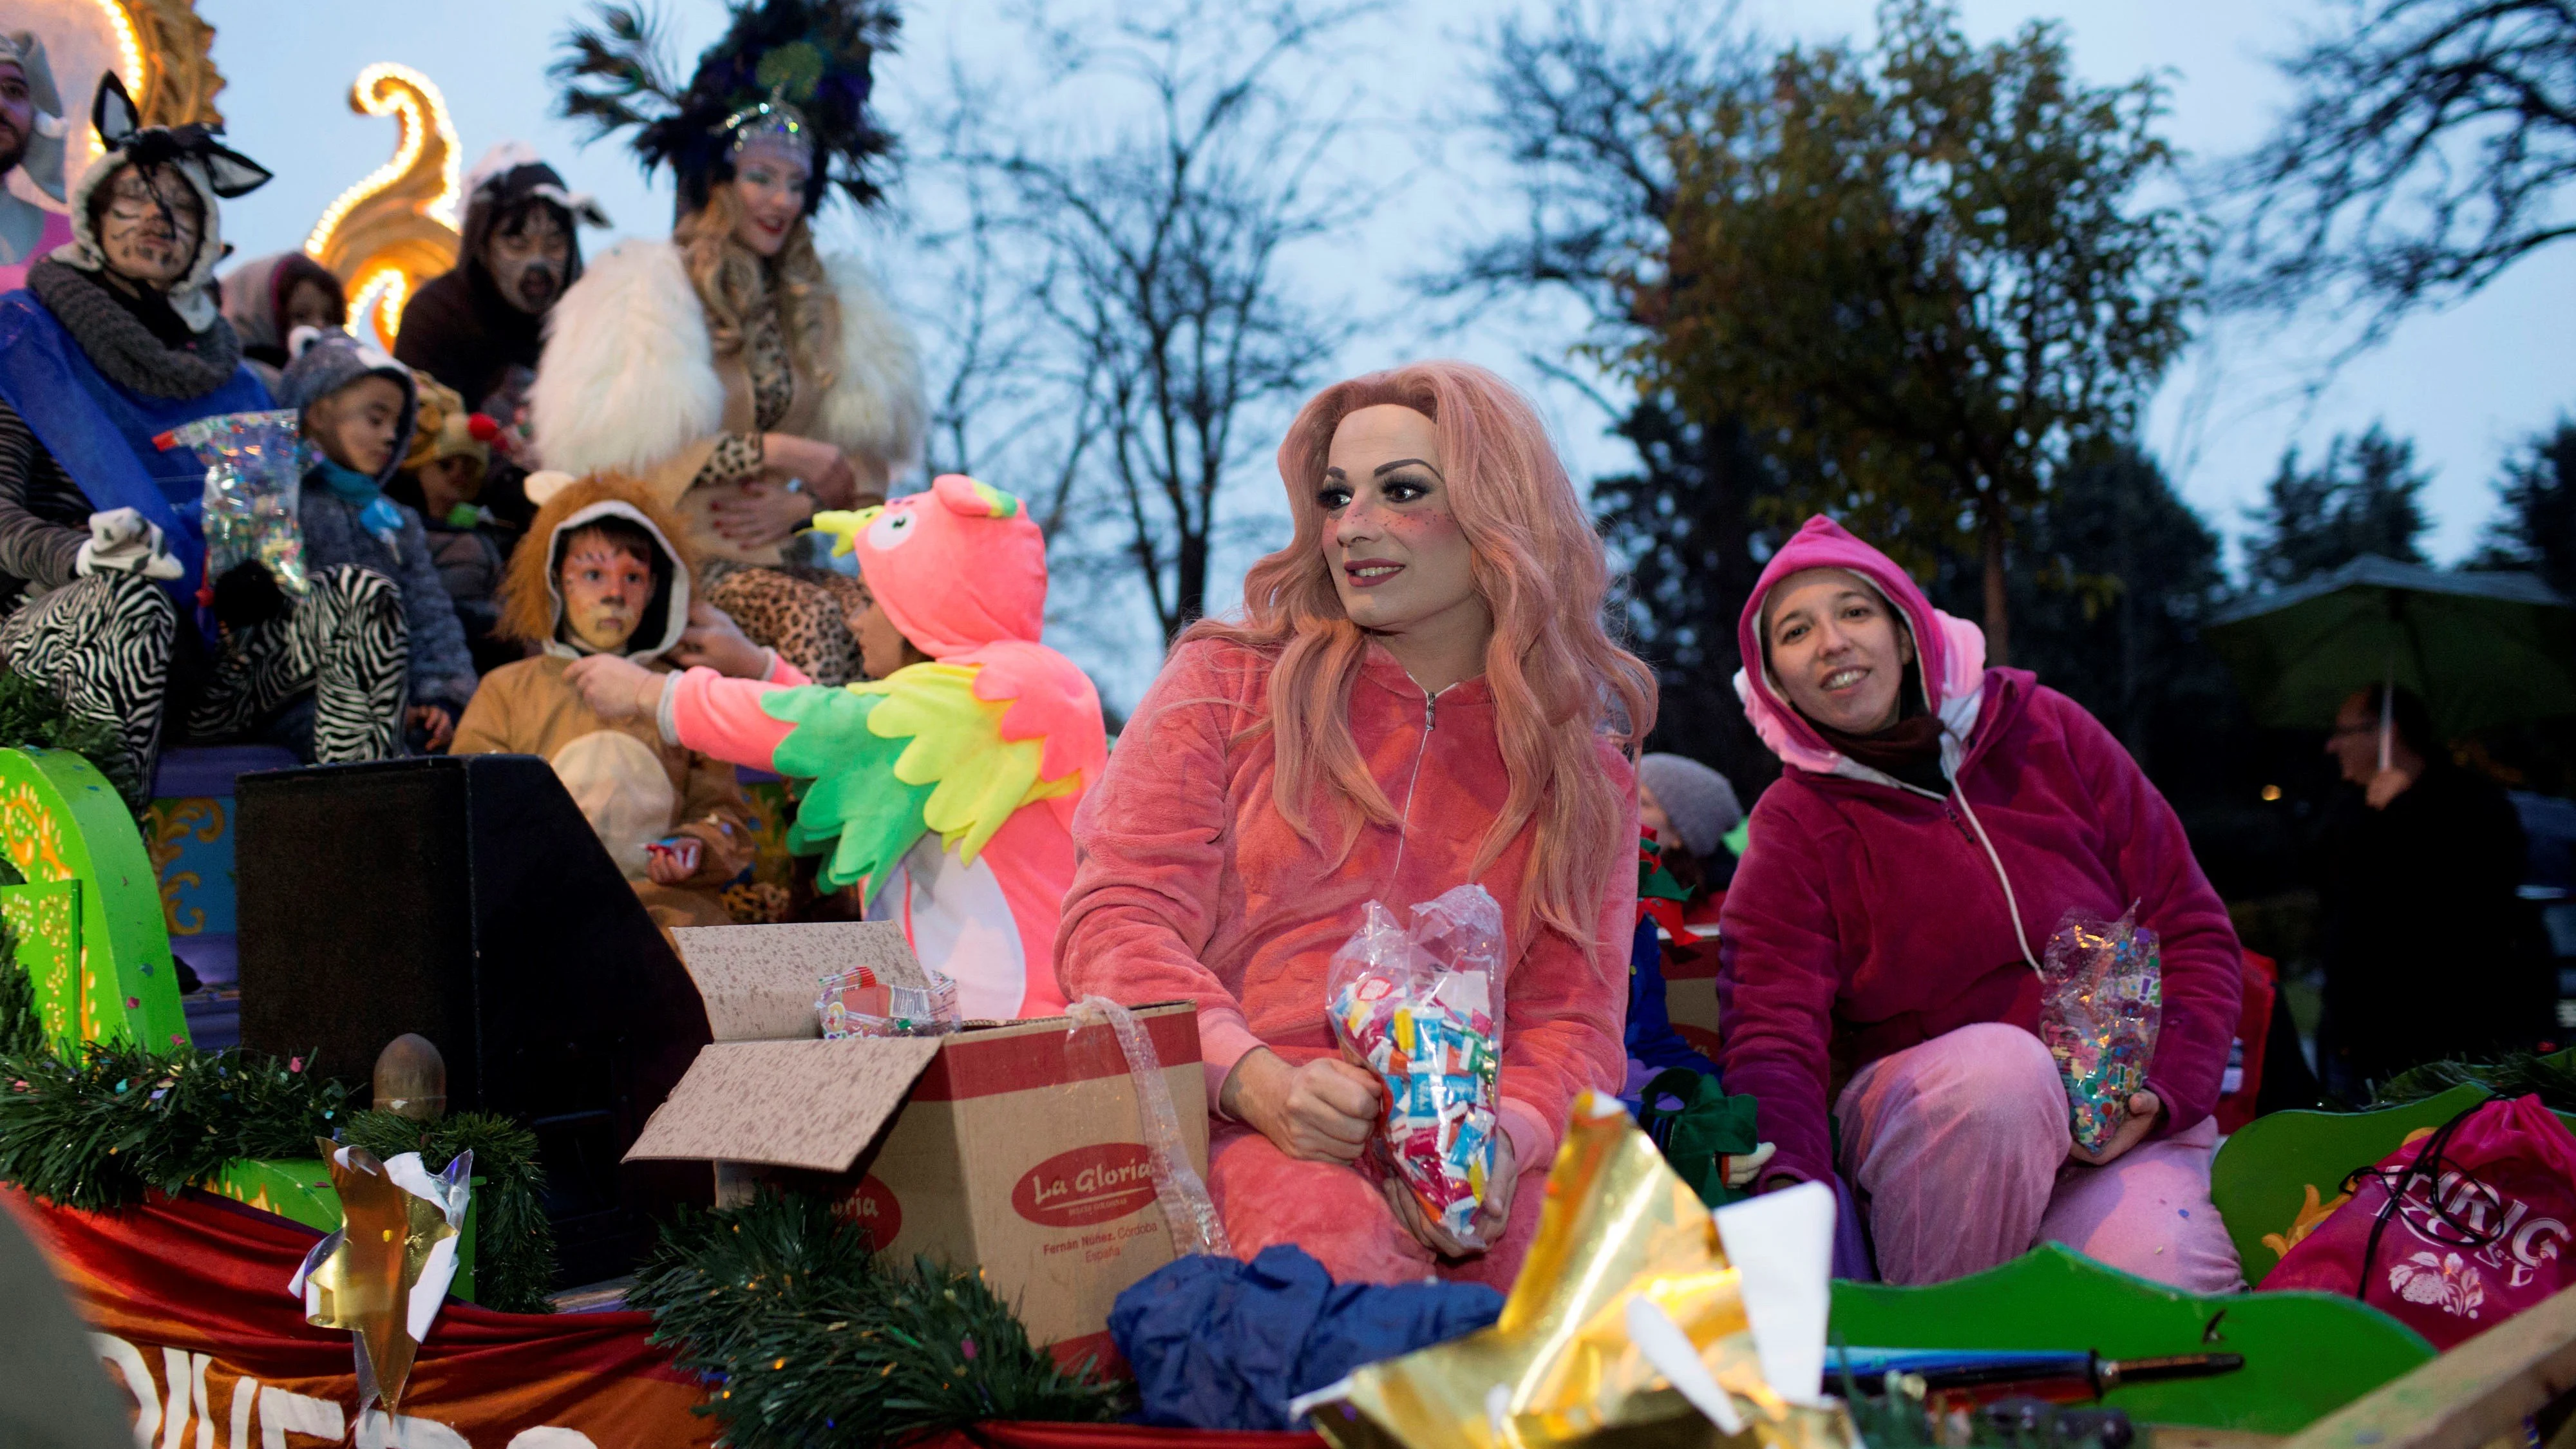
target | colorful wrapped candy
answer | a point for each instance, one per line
(857, 1002)
(1423, 1008)
(2101, 1000)
(255, 465)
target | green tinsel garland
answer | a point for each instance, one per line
(2514, 1074)
(31, 714)
(121, 1120)
(811, 1339)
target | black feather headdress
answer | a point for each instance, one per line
(792, 65)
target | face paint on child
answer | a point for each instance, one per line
(529, 257)
(355, 426)
(605, 589)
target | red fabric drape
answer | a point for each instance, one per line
(1114, 1436)
(196, 1287)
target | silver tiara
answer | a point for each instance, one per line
(773, 121)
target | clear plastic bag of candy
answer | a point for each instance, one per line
(857, 1002)
(2101, 1000)
(1422, 1007)
(255, 465)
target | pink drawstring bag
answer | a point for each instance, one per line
(2456, 1233)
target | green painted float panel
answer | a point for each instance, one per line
(61, 821)
(46, 920)
(2306, 1354)
(2284, 1172)
(297, 1188)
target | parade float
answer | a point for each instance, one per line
(180, 1187)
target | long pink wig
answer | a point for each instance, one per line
(1554, 672)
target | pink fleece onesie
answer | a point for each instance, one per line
(1192, 887)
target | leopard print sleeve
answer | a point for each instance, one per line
(736, 456)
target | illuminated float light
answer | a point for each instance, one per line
(379, 302)
(2271, 793)
(129, 48)
(129, 55)
(373, 97)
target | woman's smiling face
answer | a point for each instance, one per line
(1837, 650)
(769, 179)
(1400, 560)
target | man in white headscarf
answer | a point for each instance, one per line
(32, 131)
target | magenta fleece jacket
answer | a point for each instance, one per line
(1867, 917)
(1189, 885)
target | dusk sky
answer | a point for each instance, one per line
(2466, 384)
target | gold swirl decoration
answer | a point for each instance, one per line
(169, 50)
(398, 227)
(164, 52)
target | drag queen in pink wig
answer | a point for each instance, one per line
(1418, 694)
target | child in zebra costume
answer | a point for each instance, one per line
(116, 340)
(375, 621)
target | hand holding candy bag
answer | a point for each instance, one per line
(1423, 1008)
(2101, 1000)
(255, 466)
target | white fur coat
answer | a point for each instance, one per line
(628, 377)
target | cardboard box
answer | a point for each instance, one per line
(1014, 1147)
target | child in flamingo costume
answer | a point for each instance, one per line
(946, 789)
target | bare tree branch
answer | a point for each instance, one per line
(2430, 148)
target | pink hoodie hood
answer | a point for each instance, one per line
(957, 567)
(961, 569)
(1951, 651)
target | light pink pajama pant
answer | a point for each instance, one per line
(1959, 1147)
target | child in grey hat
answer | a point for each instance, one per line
(373, 646)
(1693, 812)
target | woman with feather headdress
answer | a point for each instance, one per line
(745, 378)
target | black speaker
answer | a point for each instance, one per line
(465, 898)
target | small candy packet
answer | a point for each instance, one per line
(1423, 1008)
(2101, 1001)
(255, 464)
(857, 1003)
(683, 851)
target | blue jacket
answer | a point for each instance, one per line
(442, 668)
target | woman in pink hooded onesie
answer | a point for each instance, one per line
(1877, 947)
(945, 787)
(1418, 695)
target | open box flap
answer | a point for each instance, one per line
(811, 1104)
(759, 982)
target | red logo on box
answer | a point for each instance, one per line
(875, 1211)
(1087, 1185)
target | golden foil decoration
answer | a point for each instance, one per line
(395, 1248)
(1559, 1366)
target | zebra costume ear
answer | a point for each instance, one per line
(228, 173)
(113, 113)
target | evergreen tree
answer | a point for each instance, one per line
(1686, 528)
(2366, 498)
(2120, 574)
(2538, 528)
